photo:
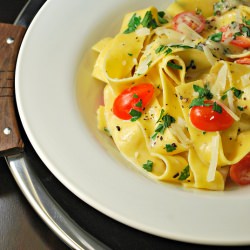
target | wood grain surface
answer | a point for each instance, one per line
(11, 37)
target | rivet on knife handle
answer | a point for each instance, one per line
(11, 37)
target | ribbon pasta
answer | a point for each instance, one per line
(198, 159)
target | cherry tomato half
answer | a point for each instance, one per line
(244, 60)
(136, 97)
(239, 41)
(207, 119)
(190, 18)
(240, 172)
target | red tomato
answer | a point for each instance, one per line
(239, 41)
(244, 60)
(190, 18)
(136, 97)
(240, 172)
(207, 119)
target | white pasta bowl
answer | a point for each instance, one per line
(54, 57)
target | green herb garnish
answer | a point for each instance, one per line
(160, 49)
(197, 102)
(246, 31)
(134, 22)
(148, 166)
(170, 147)
(163, 48)
(135, 115)
(244, 20)
(184, 174)
(173, 65)
(181, 46)
(161, 18)
(237, 93)
(203, 92)
(168, 51)
(216, 37)
(148, 21)
(240, 108)
(165, 122)
(217, 108)
(139, 104)
(191, 65)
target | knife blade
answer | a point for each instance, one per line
(12, 146)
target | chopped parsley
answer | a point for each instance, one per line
(161, 115)
(174, 65)
(163, 48)
(168, 51)
(135, 115)
(237, 93)
(181, 46)
(191, 65)
(161, 18)
(245, 30)
(148, 166)
(240, 108)
(197, 102)
(148, 21)
(244, 20)
(217, 37)
(217, 108)
(139, 104)
(134, 22)
(170, 147)
(160, 49)
(185, 173)
(203, 93)
(165, 121)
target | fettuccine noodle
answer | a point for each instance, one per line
(180, 63)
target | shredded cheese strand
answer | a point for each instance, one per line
(214, 158)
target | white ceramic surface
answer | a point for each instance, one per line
(65, 136)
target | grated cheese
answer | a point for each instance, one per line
(209, 55)
(221, 81)
(189, 32)
(181, 122)
(245, 79)
(214, 158)
(143, 31)
(177, 131)
(143, 66)
(230, 98)
(173, 37)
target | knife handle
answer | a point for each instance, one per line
(11, 37)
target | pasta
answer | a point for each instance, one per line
(168, 67)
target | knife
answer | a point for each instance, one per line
(12, 146)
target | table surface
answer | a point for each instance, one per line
(21, 228)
